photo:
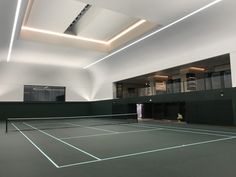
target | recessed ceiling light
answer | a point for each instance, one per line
(155, 32)
(84, 38)
(63, 35)
(14, 29)
(126, 31)
(197, 69)
(160, 77)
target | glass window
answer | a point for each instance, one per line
(216, 80)
(227, 79)
(177, 85)
(44, 93)
(208, 83)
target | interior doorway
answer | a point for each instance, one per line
(139, 108)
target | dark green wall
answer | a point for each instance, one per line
(203, 107)
(208, 107)
(216, 112)
(101, 107)
(20, 109)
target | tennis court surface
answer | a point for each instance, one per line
(146, 148)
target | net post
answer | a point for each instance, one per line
(6, 124)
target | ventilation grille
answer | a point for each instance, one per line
(70, 29)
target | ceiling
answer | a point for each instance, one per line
(94, 22)
(105, 19)
(159, 11)
(53, 15)
(102, 24)
(77, 24)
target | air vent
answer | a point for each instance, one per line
(70, 30)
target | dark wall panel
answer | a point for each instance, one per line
(172, 109)
(159, 111)
(101, 107)
(21, 110)
(217, 112)
(147, 110)
(209, 107)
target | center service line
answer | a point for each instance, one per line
(116, 133)
(94, 128)
(68, 144)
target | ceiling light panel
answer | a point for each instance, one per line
(53, 15)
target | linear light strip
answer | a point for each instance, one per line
(126, 30)
(14, 29)
(155, 32)
(63, 35)
(84, 38)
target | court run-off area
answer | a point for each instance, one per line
(147, 148)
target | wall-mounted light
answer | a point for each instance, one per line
(221, 93)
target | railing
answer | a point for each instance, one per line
(211, 83)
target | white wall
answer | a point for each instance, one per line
(13, 77)
(207, 34)
(233, 67)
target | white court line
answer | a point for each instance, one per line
(95, 128)
(115, 133)
(73, 124)
(184, 128)
(68, 144)
(45, 155)
(187, 130)
(197, 129)
(49, 123)
(151, 151)
(72, 117)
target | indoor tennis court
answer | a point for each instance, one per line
(131, 149)
(117, 88)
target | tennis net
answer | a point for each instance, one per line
(42, 123)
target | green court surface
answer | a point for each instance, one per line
(132, 150)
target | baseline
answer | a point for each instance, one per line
(150, 151)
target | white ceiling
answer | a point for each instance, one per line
(204, 35)
(102, 24)
(161, 11)
(54, 15)
(96, 23)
